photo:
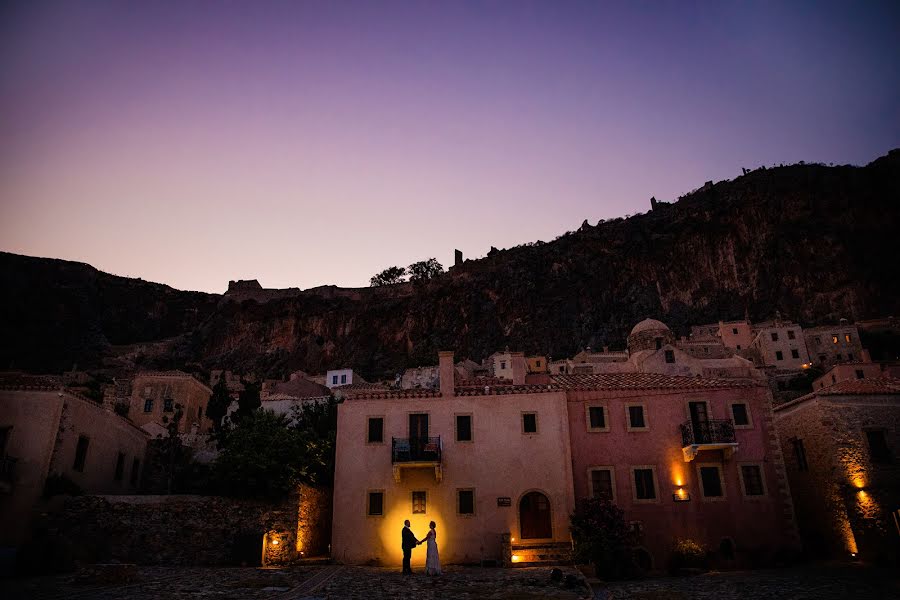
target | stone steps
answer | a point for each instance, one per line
(536, 555)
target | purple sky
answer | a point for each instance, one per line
(305, 143)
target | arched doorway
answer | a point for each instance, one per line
(534, 516)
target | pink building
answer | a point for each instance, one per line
(684, 457)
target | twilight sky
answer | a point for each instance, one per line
(305, 143)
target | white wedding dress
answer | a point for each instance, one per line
(432, 561)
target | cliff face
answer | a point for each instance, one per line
(816, 243)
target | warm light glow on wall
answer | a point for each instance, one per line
(677, 474)
(389, 527)
(516, 558)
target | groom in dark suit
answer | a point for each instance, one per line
(409, 542)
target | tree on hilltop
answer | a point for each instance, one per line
(389, 276)
(424, 270)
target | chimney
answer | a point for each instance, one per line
(447, 373)
(517, 360)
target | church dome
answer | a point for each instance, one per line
(649, 325)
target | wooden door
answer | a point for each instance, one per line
(534, 516)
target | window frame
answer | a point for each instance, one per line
(779, 355)
(612, 479)
(628, 425)
(78, 465)
(656, 491)
(119, 472)
(749, 424)
(587, 417)
(762, 479)
(369, 418)
(669, 354)
(799, 454)
(795, 353)
(368, 503)
(474, 510)
(456, 417)
(148, 405)
(537, 427)
(412, 499)
(721, 470)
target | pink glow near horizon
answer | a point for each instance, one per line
(317, 143)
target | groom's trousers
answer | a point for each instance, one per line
(407, 554)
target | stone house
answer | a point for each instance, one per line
(832, 344)
(47, 430)
(154, 395)
(850, 371)
(840, 445)
(338, 377)
(779, 344)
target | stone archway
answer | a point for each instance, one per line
(534, 516)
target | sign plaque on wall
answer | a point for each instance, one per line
(504, 501)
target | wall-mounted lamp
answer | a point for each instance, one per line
(275, 542)
(681, 495)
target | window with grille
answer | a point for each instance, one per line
(601, 483)
(418, 503)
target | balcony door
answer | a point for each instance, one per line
(699, 422)
(418, 426)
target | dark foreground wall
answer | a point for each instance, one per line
(180, 530)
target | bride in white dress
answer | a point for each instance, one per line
(432, 561)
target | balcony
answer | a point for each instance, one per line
(412, 453)
(7, 473)
(709, 435)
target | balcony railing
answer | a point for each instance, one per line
(708, 432)
(416, 450)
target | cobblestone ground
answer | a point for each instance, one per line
(818, 582)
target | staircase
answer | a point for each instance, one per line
(541, 554)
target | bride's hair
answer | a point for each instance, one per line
(432, 525)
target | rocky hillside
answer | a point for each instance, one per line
(817, 243)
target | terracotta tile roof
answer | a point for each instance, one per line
(483, 381)
(16, 380)
(352, 387)
(642, 381)
(386, 394)
(879, 385)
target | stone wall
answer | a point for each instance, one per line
(187, 530)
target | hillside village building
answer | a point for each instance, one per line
(498, 464)
(46, 430)
(154, 396)
(830, 345)
(840, 444)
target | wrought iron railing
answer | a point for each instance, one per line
(707, 432)
(416, 449)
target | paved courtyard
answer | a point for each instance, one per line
(815, 582)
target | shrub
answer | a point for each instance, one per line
(687, 554)
(602, 538)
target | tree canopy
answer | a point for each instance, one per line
(389, 276)
(424, 270)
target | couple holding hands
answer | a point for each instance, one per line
(432, 562)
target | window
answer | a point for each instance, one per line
(529, 422)
(597, 418)
(752, 480)
(602, 484)
(81, 453)
(860, 374)
(636, 417)
(4, 438)
(644, 483)
(334, 380)
(840, 356)
(418, 503)
(849, 356)
(376, 430)
(199, 412)
(502, 365)
(120, 467)
(791, 335)
(168, 405)
(795, 353)
(818, 341)
(562, 369)
(834, 338)
(670, 356)
(822, 358)
(774, 336)
(658, 343)
(376, 504)
(800, 454)
(463, 428)
(465, 502)
(740, 415)
(878, 447)
(537, 363)
(738, 346)
(847, 338)
(343, 379)
(135, 471)
(711, 484)
(779, 355)
(148, 405)
(734, 330)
